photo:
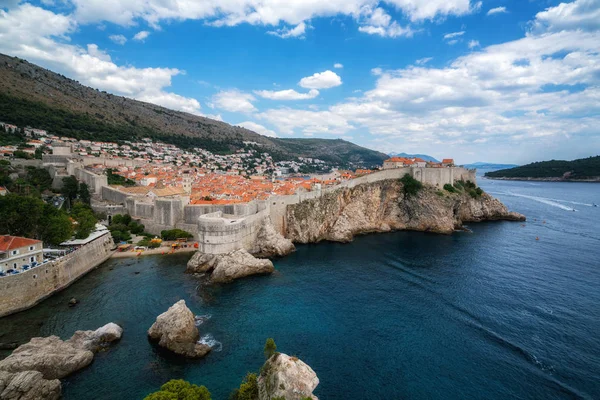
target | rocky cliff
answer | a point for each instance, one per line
(227, 267)
(382, 206)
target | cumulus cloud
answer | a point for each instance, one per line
(141, 36)
(118, 39)
(31, 32)
(263, 12)
(579, 14)
(497, 10)
(234, 100)
(290, 121)
(258, 128)
(379, 22)
(321, 80)
(297, 32)
(288, 94)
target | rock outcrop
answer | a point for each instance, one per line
(33, 370)
(28, 385)
(286, 377)
(382, 206)
(175, 329)
(270, 243)
(55, 358)
(229, 266)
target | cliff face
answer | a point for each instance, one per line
(382, 207)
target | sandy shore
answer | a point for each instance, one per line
(161, 250)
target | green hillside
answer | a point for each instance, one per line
(582, 169)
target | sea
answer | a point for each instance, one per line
(508, 310)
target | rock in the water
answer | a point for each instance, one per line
(270, 243)
(73, 302)
(230, 266)
(55, 358)
(51, 356)
(28, 385)
(287, 377)
(175, 330)
(98, 339)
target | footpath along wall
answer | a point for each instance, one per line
(25, 290)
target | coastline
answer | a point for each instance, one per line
(151, 252)
(592, 180)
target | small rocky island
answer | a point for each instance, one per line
(175, 330)
(33, 370)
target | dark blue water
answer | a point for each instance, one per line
(493, 314)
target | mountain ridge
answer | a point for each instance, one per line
(35, 96)
(583, 169)
(406, 155)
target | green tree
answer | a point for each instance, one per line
(124, 219)
(84, 193)
(248, 390)
(178, 389)
(39, 178)
(270, 348)
(174, 234)
(86, 221)
(410, 185)
(449, 188)
(70, 188)
(20, 215)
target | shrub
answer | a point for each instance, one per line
(175, 234)
(440, 193)
(449, 188)
(270, 348)
(121, 219)
(411, 185)
(178, 389)
(248, 389)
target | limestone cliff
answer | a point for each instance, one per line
(382, 206)
(270, 243)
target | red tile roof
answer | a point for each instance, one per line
(15, 242)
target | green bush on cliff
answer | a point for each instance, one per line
(248, 389)
(449, 188)
(270, 348)
(178, 389)
(174, 234)
(411, 186)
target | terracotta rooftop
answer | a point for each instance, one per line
(15, 242)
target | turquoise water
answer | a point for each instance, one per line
(490, 314)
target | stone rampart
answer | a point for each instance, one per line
(23, 291)
(219, 233)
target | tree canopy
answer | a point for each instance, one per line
(178, 389)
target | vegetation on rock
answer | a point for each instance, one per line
(174, 234)
(584, 168)
(410, 185)
(178, 389)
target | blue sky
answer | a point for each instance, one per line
(497, 81)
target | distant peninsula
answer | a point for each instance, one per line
(485, 165)
(582, 170)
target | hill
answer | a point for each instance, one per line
(406, 155)
(484, 165)
(584, 169)
(37, 97)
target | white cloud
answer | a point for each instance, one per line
(30, 32)
(579, 14)
(321, 80)
(253, 126)
(379, 22)
(453, 35)
(376, 71)
(473, 44)
(234, 100)
(141, 36)
(289, 94)
(423, 61)
(297, 32)
(118, 39)
(260, 12)
(497, 10)
(338, 65)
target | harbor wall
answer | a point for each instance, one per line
(25, 290)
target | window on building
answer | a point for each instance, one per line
(31, 248)
(31, 259)
(14, 252)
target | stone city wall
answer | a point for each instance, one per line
(23, 291)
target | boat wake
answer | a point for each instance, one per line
(210, 341)
(544, 200)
